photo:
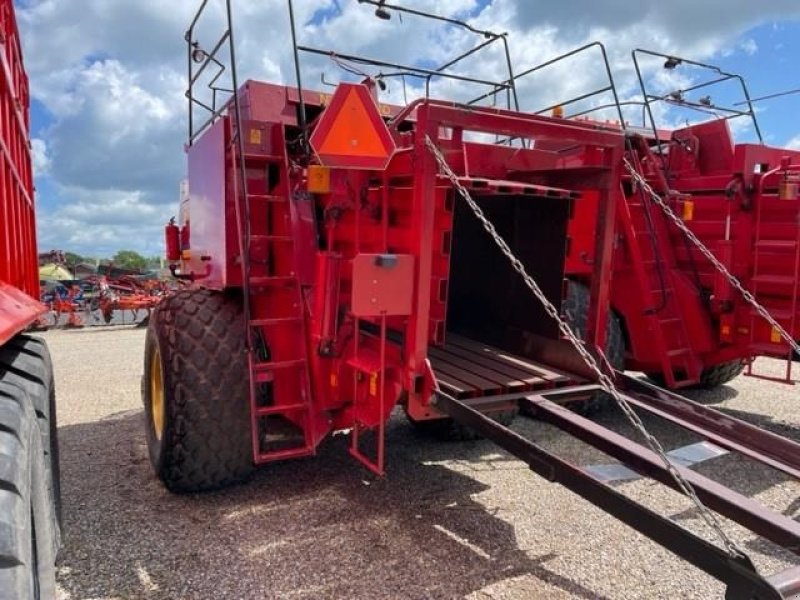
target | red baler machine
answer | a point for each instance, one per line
(346, 257)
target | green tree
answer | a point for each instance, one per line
(73, 259)
(154, 262)
(129, 259)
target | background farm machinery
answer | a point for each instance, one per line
(95, 298)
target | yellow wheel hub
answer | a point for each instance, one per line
(157, 408)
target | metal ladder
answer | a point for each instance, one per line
(786, 282)
(280, 385)
(272, 297)
(679, 363)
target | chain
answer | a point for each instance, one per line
(680, 224)
(603, 379)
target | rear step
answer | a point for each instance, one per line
(738, 574)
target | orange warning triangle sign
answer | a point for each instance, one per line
(353, 132)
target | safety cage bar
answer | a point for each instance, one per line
(382, 11)
(702, 105)
(610, 87)
(199, 60)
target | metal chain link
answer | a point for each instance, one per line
(680, 224)
(605, 382)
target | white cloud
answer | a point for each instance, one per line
(749, 46)
(794, 143)
(101, 222)
(112, 76)
(41, 160)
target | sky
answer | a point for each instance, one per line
(108, 79)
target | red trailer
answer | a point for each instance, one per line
(29, 478)
(345, 257)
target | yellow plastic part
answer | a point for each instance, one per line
(157, 407)
(319, 179)
(688, 210)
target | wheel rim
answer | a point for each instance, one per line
(156, 394)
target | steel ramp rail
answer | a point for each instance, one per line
(715, 426)
(737, 573)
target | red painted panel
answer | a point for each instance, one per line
(382, 284)
(19, 270)
(206, 210)
(17, 311)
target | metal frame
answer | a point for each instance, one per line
(723, 76)
(428, 74)
(611, 87)
(738, 574)
(209, 58)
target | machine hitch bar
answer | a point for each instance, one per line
(737, 572)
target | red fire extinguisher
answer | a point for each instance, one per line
(172, 235)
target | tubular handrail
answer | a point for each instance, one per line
(610, 87)
(676, 97)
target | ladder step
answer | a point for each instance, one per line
(263, 158)
(265, 372)
(273, 281)
(265, 411)
(275, 455)
(670, 321)
(272, 238)
(777, 244)
(266, 367)
(266, 198)
(678, 352)
(273, 322)
(779, 350)
(779, 314)
(774, 279)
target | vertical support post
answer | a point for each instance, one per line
(599, 301)
(423, 211)
(382, 397)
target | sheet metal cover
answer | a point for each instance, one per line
(685, 456)
(382, 284)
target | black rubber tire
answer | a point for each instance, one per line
(448, 430)
(575, 310)
(28, 531)
(710, 377)
(25, 362)
(720, 374)
(206, 441)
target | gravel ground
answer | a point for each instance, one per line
(448, 521)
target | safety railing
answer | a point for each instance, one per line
(701, 105)
(200, 62)
(351, 63)
(610, 87)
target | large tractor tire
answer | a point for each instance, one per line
(449, 430)
(710, 377)
(195, 392)
(29, 534)
(25, 362)
(575, 310)
(720, 374)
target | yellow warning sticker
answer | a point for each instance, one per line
(373, 384)
(255, 137)
(688, 210)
